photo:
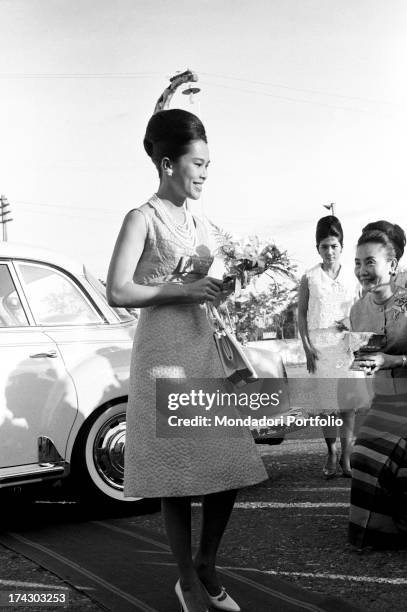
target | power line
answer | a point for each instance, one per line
(288, 99)
(141, 75)
(56, 206)
(137, 75)
(64, 214)
(311, 91)
(78, 75)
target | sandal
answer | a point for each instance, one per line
(330, 472)
(346, 473)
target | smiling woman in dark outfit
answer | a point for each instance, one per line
(378, 515)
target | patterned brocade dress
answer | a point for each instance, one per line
(378, 513)
(176, 341)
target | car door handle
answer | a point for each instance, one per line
(51, 354)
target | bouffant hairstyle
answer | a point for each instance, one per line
(329, 226)
(393, 232)
(389, 235)
(169, 133)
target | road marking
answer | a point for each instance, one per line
(57, 501)
(154, 552)
(132, 534)
(275, 505)
(264, 589)
(300, 485)
(317, 489)
(126, 596)
(373, 579)
(300, 489)
(259, 504)
(33, 585)
(330, 515)
(301, 604)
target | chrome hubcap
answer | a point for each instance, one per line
(108, 451)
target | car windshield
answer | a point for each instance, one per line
(122, 313)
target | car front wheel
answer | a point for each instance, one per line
(98, 460)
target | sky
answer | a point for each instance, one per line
(303, 102)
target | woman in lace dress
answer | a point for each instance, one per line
(326, 295)
(160, 265)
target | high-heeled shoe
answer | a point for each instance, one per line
(223, 601)
(180, 595)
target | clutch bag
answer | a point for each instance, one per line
(235, 363)
(243, 364)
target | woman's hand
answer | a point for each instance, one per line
(312, 356)
(343, 324)
(372, 362)
(227, 289)
(206, 289)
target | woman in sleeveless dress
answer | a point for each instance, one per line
(326, 296)
(160, 265)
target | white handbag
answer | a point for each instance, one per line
(232, 354)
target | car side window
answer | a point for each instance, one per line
(11, 310)
(54, 299)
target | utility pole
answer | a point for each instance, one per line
(3, 214)
(330, 207)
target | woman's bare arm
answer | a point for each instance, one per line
(303, 302)
(303, 299)
(123, 291)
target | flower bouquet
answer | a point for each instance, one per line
(238, 262)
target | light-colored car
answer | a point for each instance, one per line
(64, 370)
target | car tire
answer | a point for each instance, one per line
(97, 465)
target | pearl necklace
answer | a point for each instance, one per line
(185, 232)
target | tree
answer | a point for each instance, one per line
(254, 311)
(268, 300)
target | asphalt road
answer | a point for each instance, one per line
(292, 528)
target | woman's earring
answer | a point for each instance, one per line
(168, 172)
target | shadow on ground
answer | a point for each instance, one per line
(46, 505)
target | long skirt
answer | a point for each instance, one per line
(378, 513)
